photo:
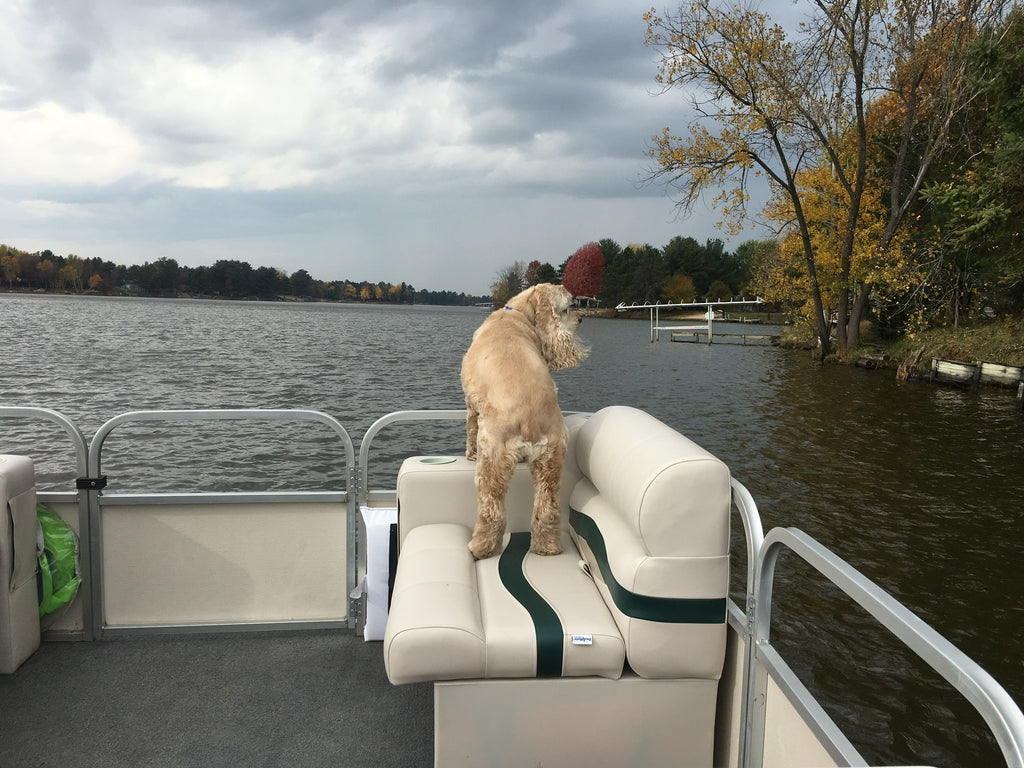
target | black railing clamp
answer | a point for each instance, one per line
(91, 483)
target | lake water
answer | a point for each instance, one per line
(919, 487)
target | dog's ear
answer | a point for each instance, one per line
(542, 305)
(549, 326)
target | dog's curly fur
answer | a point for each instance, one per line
(513, 413)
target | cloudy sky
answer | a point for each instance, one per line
(427, 142)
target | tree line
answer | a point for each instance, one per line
(681, 271)
(230, 279)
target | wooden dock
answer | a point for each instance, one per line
(694, 334)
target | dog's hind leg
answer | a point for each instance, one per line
(471, 430)
(545, 530)
(494, 468)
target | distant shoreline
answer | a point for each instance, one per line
(278, 299)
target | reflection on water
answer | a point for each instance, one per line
(918, 487)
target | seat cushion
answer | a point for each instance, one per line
(510, 616)
(673, 494)
(670, 611)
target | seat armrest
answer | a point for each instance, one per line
(434, 490)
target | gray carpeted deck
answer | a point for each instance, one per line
(314, 698)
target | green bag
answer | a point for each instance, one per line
(59, 565)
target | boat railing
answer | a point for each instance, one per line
(92, 500)
(227, 414)
(81, 449)
(988, 697)
(346, 497)
(76, 436)
(368, 495)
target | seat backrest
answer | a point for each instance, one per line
(651, 517)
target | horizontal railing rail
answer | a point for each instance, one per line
(224, 497)
(225, 414)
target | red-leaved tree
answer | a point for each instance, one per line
(583, 271)
(531, 272)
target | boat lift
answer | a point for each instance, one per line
(709, 315)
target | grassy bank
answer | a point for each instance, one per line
(994, 341)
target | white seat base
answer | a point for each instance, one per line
(583, 721)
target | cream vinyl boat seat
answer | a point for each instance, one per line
(636, 599)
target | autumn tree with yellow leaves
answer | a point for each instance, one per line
(888, 270)
(794, 106)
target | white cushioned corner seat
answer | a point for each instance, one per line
(608, 654)
(648, 509)
(651, 517)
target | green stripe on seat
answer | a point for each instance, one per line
(546, 623)
(674, 610)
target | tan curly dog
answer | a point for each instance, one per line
(513, 413)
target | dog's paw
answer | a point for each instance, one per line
(545, 544)
(482, 548)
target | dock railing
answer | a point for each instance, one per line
(709, 308)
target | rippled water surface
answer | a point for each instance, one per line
(919, 487)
